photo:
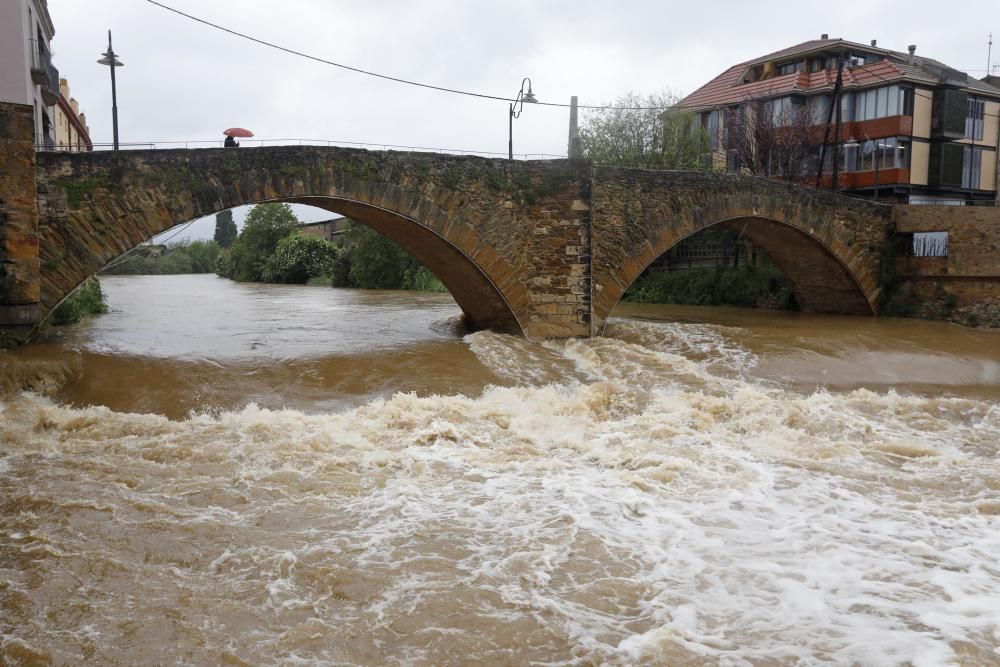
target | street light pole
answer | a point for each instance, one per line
(110, 59)
(518, 102)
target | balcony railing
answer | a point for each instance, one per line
(44, 73)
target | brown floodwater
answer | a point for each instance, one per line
(219, 473)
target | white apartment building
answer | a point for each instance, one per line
(27, 75)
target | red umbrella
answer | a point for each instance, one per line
(237, 132)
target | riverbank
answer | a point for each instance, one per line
(88, 299)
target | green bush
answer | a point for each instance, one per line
(744, 286)
(251, 257)
(298, 258)
(371, 261)
(193, 257)
(87, 299)
(420, 279)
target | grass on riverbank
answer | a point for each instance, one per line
(747, 286)
(88, 299)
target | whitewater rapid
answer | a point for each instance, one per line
(632, 499)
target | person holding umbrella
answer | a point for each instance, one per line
(233, 132)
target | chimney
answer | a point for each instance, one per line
(912, 48)
(874, 41)
(824, 36)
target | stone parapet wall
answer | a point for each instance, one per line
(19, 243)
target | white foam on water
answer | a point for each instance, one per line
(644, 510)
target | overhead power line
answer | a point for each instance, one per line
(386, 77)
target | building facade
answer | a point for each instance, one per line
(72, 133)
(27, 75)
(900, 126)
(327, 230)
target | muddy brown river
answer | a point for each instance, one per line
(231, 474)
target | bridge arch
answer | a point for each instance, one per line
(100, 208)
(826, 245)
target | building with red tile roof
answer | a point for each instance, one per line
(910, 127)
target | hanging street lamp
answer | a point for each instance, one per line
(111, 60)
(518, 104)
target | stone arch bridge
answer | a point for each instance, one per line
(543, 248)
(537, 248)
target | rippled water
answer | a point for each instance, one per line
(232, 474)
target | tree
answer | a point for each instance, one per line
(371, 261)
(647, 131)
(225, 228)
(767, 137)
(298, 258)
(251, 256)
(376, 262)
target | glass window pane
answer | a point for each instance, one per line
(869, 104)
(893, 105)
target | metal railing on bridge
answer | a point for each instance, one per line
(255, 142)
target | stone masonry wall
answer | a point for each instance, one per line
(508, 239)
(829, 246)
(19, 263)
(964, 286)
(541, 248)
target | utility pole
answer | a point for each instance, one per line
(989, 54)
(838, 84)
(837, 87)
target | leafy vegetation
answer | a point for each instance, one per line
(88, 299)
(298, 257)
(643, 131)
(187, 257)
(251, 256)
(225, 228)
(743, 286)
(270, 249)
(371, 261)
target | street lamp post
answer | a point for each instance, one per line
(518, 103)
(111, 60)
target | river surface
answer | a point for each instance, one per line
(225, 474)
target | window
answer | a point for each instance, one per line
(930, 244)
(847, 107)
(950, 114)
(820, 108)
(883, 153)
(784, 110)
(972, 160)
(974, 118)
(906, 99)
(879, 103)
(791, 68)
(732, 122)
(710, 124)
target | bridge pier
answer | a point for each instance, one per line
(20, 291)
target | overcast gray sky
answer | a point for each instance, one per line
(186, 81)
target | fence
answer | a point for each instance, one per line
(255, 143)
